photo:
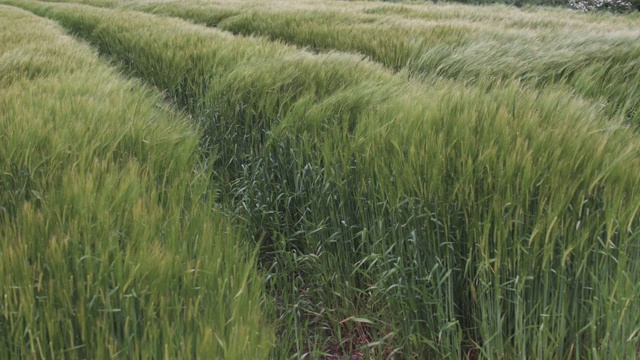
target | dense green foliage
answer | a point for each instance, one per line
(453, 198)
(585, 53)
(109, 243)
(594, 55)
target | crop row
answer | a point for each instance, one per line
(595, 56)
(427, 219)
(109, 243)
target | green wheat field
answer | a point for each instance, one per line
(318, 179)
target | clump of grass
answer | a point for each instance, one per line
(110, 245)
(399, 219)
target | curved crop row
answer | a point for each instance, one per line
(401, 218)
(593, 55)
(109, 243)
